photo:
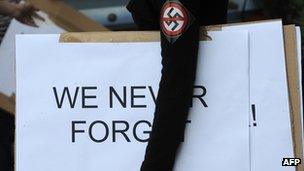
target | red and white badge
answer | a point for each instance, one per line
(175, 19)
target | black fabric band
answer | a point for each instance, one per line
(179, 60)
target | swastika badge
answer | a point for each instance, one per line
(175, 20)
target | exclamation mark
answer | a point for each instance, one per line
(254, 115)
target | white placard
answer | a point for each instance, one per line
(217, 133)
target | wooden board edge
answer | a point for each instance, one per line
(138, 36)
(294, 90)
(121, 36)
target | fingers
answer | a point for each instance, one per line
(37, 16)
(31, 23)
(35, 8)
(27, 14)
(28, 21)
(31, 11)
(26, 7)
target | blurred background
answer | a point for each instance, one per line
(113, 15)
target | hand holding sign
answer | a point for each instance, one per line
(25, 13)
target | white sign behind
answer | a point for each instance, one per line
(271, 139)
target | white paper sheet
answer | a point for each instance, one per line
(217, 134)
(271, 139)
(7, 49)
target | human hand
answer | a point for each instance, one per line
(25, 13)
